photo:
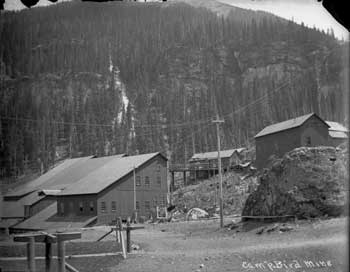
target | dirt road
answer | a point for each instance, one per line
(202, 246)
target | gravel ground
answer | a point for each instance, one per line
(201, 246)
(319, 245)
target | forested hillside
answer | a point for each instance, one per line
(106, 78)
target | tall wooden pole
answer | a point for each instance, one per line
(218, 122)
(135, 211)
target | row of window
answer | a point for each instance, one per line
(147, 205)
(147, 181)
(91, 206)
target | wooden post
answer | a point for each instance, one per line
(31, 254)
(123, 244)
(117, 235)
(48, 256)
(218, 122)
(172, 187)
(128, 242)
(195, 176)
(185, 183)
(120, 226)
(61, 255)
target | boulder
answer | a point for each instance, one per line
(306, 182)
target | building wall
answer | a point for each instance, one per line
(122, 192)
(336, 141)
(275, 144)
(39, 206)
(77, 205)
(281, 142)
(315, 130)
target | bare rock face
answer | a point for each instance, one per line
(306, 182)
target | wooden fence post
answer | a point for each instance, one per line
(120, 226)
(128, 242)
(48, 256)
(117, 235)
(61, 255)
(31, 254)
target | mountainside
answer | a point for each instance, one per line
(106, 78)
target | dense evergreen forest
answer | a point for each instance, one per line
(107, 78)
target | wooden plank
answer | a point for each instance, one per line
(104, 235)
(123, 244)
(131, 228)
(120, 227)
(25, 238)
(65, 236)
(71, 268)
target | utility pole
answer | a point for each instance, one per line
(218, 122)
(135, 211)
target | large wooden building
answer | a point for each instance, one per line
(85, 190)
(279, 138)
(118, 189)
(307, 130)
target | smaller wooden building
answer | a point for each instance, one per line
(204, 165)
(338, 134)
(279, 138)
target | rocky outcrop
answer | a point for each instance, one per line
(306, 182)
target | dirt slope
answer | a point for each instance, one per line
(205, 194)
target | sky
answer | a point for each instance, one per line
(311, 12)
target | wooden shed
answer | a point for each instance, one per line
(118, 189)
(338, 134)
(277, 139)
(204, 165)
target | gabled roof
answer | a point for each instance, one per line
(214, 154)
(49, 177)
(57, 179)
(106, 175)
(335, 126)
(288, 124)
(338, 134)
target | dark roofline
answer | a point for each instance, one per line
(312, 114)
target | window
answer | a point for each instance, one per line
(147, 205)
(62, 207)
(159, 181)
(147, 183)
(81, 207)
(137, 205)
(91, 206)
(138, 181)
(308, 140)
(158, 168)
(114, 206)
(103, 206)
